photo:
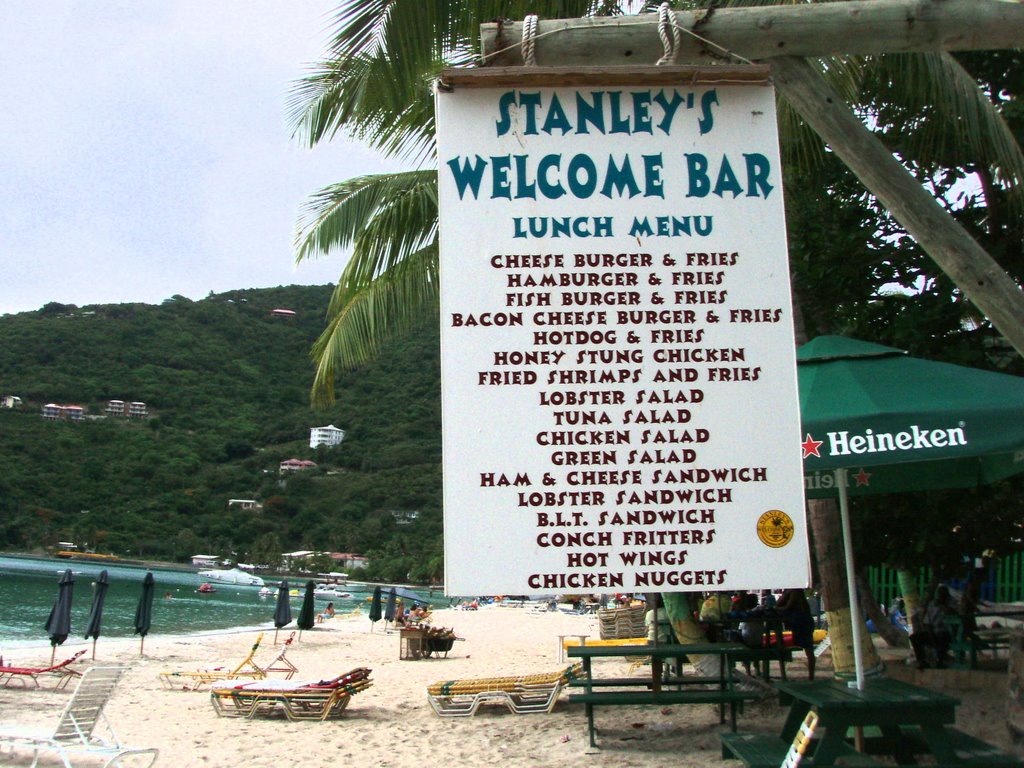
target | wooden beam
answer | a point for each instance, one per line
(976, 273)
(536, 77)
(765, 32)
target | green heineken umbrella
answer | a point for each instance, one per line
(901, 423)
(876, 420)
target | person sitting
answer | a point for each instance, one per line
(796, 614)
(930, 632)
(327, 614)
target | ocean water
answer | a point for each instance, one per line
(28, 588)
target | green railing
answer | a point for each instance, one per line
(1004, 582)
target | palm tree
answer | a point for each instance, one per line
(375, 85)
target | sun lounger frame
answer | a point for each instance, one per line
(522, 695)
(302, 702)
(22, 675)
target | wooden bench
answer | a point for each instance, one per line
(760, 750)
(970, 750)
(663, 697)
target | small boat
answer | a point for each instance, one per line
(233, 576)
(265, 592)
(331, 593)
(206, 587)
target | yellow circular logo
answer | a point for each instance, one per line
(775, 528)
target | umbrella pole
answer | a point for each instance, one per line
(94, 649)
(276, 629)
(53, 653)
(851, 582)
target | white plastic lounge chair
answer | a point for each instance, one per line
(75, 734)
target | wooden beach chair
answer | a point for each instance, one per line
(318, 700)
(75, 734)
(195, 679)
(10, 676)
(524, 694)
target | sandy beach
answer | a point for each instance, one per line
(392, 724)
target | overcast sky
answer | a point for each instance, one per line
(145, 151)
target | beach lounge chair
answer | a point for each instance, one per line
(314, 700)
(63, 671)
(75, 735)
(522, 695)
(193, 680)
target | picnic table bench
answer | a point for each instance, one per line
(622, 691)
(966, 644)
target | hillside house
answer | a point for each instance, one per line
(348, 560)
(329, 436)
(205, 561)
(133, 410)
(286, 313)
(296, 465)
(53, 412)
(246, 505)
(10, 401)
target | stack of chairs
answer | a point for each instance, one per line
(622, 623)
(249, 668)
(300, 701)
(524, 694)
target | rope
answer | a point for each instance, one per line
(670, 45)
(529, 40)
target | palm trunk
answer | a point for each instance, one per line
(911, 597)
(828, 549)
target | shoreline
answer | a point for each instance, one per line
(392, 725)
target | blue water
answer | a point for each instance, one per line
(28, 588)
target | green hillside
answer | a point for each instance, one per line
(226, 385)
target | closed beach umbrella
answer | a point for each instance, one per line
(389, 609)
(283, 609)
(375, 607)
(307, 615)
(144, 610)
(99, 595)
(58, 625)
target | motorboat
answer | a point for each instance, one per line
(331, 593)
(206, 587)
(232, 576)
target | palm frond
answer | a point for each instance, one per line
(944, 118)
(357, 325)
(344, 215)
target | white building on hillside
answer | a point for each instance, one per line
(329, 435)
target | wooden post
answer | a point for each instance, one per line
(976, 273)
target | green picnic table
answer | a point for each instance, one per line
(653, 688)
(908, 719)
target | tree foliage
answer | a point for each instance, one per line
(226, 385)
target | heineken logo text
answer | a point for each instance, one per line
(913, 439)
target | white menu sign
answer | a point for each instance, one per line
(618, 365)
